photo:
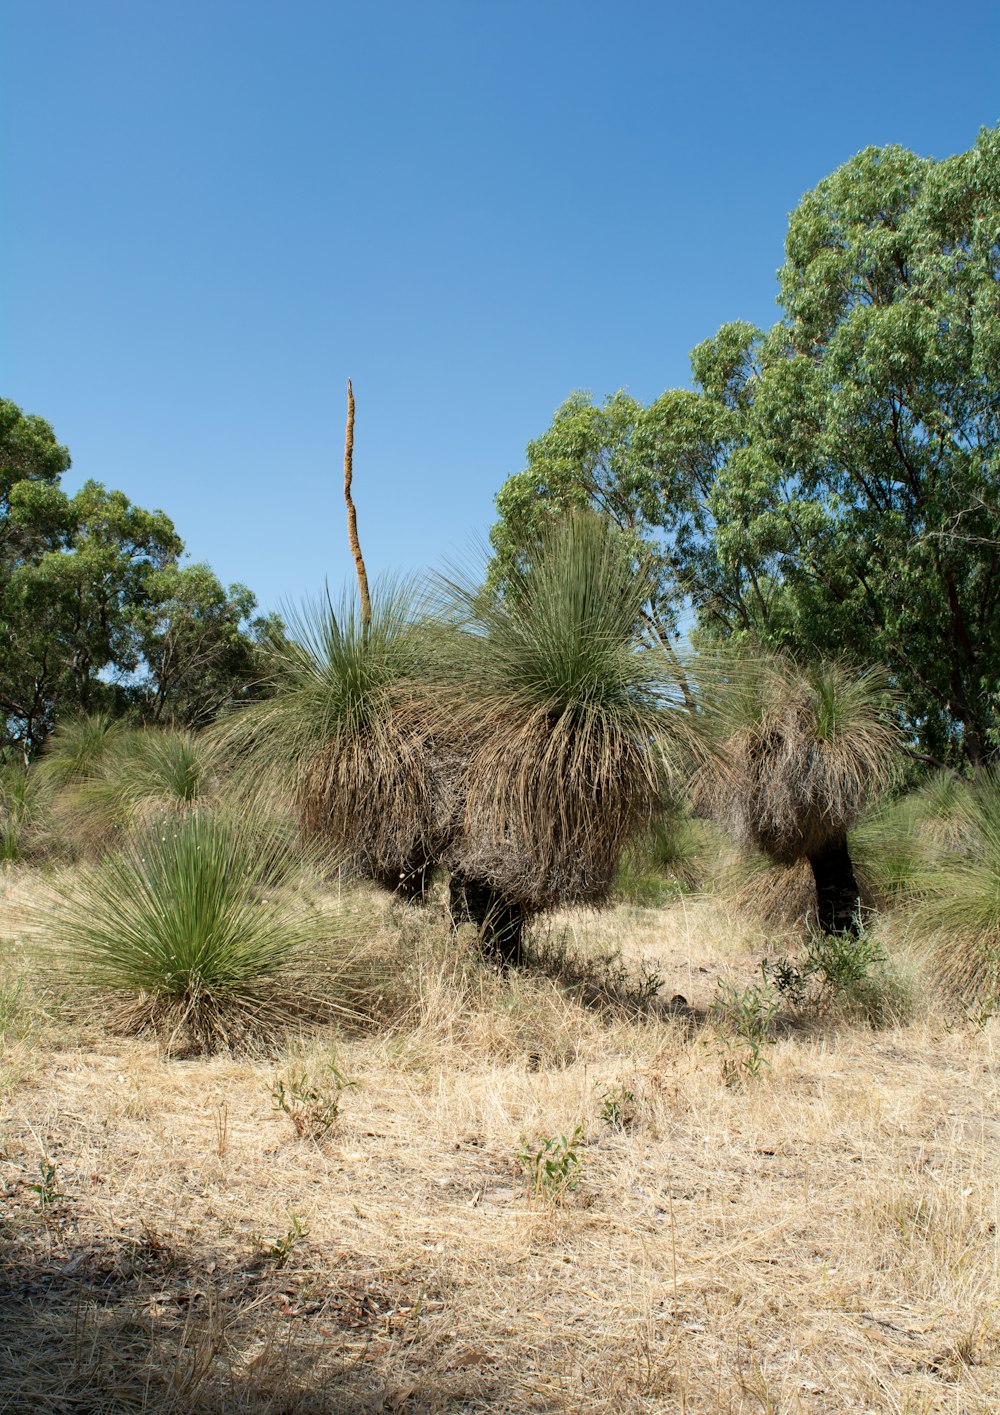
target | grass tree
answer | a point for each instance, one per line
(959, 893)
(344, 736)
(200, 926)
(561, 723)
(796, 757)
(905, 842)
(23, 812)
(77, 748)
(110, 779)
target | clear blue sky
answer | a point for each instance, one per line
(217, 210)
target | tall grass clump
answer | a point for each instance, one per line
(77, 747)
(201, 925)
(900, 843)
(344, 737)
(130, 778)
(675, 855)
(562, 727)
(959, 896)
(798, 755)
(23, 812)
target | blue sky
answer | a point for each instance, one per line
(218, 211)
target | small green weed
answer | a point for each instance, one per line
(844, 967)
(619, 1109)
(552, 1166)
(48, 1191)
(746, 1018)
(282, 1248)
(312, 1109)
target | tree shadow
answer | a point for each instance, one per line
(608, 984)
(140, 1326)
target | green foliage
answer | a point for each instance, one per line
(28, 452)
(552, 1165)
(835, 481)
(833, 966)
(746, 1018)
(202, 647)
(202, 923)
(313, 1109)
(619, 1108)
(47, 1189)
(282, 1248)
(959, 896)
(95, 613)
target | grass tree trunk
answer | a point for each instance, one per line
(499, 920)
(837, 892)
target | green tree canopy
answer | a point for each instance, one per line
(95, 610)
(832, 486)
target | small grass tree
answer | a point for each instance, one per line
(959, 895)
(110, 779)
(23, 811)
(796, 755)
(203, 925)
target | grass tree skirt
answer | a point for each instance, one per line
(837, 893)
(499, 920)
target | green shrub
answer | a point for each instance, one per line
(745, 1017)
(128, 779)
(552, 1165)
(852, 971)
(201, 925)
(313, 1108)
(22, 812)
(959, 896)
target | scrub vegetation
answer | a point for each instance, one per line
(470, 995)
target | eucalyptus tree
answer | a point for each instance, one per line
(96, 613)
(834, 483)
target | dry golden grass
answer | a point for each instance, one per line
(822, 1239)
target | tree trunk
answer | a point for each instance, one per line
(837, 890)
(499, 920)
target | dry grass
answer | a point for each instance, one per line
(821, 1240)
